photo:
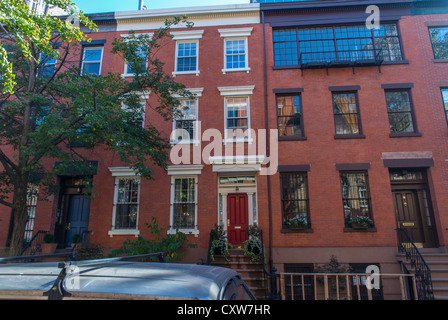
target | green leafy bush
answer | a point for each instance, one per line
(169, 244)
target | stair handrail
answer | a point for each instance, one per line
(36, 239)
(421, 269)
(80, 239)
(273, 277)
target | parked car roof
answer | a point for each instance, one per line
(109, 278)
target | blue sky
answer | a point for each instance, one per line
(91, 6)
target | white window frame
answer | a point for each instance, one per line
(125, 71)
(92, 62)
(192, 36)
(232, 34)
(237, 92)
(179, 172)
(195, 140)
(124, 173)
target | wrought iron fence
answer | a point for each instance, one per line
(345, 286)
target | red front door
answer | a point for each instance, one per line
(237, 218)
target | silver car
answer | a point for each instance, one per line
(117, 278)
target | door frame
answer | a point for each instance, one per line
(68, 187)
(252, 198)
(427, 219)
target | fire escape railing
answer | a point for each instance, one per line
(418, 265)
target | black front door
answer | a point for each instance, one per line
(78, 217)
(408, 214)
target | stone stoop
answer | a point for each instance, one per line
(438, 263)
(251, 271)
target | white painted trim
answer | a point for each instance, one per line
(236, 90)
(123, 171)
(235, 32)
(196, 72)
(185, 170)
(187, 35)
(114, 231)
(246, 55)
(91, 62)
(185, 174)
(202, 16)
(196, 91)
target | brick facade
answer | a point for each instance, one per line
(320, 151)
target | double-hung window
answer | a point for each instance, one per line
(346, 114)
(138, 65)
(355, 195)
(294, 197)
(439, 40)
(184, 203)
(187, 56)
(92, 60)
(236, 56)
(127, 202)
(400, 111)
(289, 115)
(184, 198)
(185, 122)
(187, 51)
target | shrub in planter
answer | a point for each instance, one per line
(253, 246)
(48, 246)
(218, 245)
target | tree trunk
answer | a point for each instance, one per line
(20, 217)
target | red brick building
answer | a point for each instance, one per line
(356, 122)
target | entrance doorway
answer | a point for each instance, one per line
(237, 218)
(412, 205)
(73, 211)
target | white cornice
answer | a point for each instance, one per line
(122, 171)
(204, 16)
(194, 169)
(187, 35)
(236, 91)
(235, 32)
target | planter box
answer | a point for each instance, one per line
(48, 248)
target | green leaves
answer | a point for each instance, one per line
(35, 32)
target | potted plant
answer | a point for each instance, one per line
(361, 222)
(297, 223)
(49, 245)
(218, 246)
(253, 246)
(75, 239)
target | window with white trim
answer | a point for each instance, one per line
(185, 122)
(184, 205)
(126, 202)
(187, 51)
(184, 198)
(91, 60)
(237, 113)
(236, 56)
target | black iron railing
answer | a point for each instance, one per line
(33, 246)
(343, 58)
(273, 279)
(418, 265)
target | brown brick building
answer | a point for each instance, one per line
(360, 119)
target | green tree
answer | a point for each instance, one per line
(56, 106)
